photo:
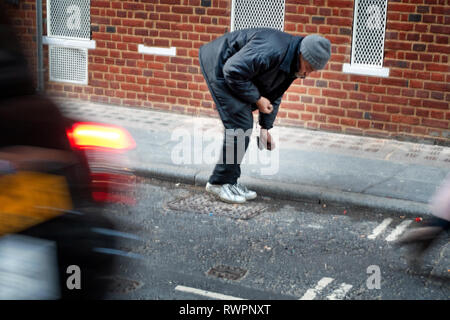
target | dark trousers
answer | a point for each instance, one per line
(238, 128)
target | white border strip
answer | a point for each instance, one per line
(171, 52)
(233, 6)
(60, 42)
(386, 222)
(205, 293)
(399, 230)
(365, 71)
(311, 293)
(340, 293)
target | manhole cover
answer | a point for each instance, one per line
(209, 205)
(227, 272)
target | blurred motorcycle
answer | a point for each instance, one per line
(57, 177)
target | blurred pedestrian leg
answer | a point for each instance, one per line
(421, 239)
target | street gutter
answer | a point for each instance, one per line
(287, 191)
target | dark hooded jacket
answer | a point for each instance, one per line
(15, 77)
(244, 65)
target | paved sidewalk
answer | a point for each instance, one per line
(307, 165)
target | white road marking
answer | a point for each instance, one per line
(311, 293)
(205, 293)
(340, 293)
(380, 228)
(314, 226)
(399, 230)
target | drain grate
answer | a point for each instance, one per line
(227, 272)
(208, 205)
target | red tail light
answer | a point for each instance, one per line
(113, 188)
(92, 135)
(105, 149)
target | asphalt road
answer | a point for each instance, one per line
(192, 247)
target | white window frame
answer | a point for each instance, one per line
(364, 69)
(83, 44)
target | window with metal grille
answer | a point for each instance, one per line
(257, 14)
(69, 26)
(70, 19)
(369, 26)
(68, 64)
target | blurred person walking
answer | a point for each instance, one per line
(420, 240)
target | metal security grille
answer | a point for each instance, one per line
(369, 32)
(68, 64)
(257, 13)
(70, 19)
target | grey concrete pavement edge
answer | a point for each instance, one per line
(286, 191)
(166, 172)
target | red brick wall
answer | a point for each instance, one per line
(412, 104)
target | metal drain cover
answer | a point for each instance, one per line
(227, 272)
(209, 205)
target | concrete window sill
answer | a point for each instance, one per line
(171, 52)
(365, 70)
(61, 42)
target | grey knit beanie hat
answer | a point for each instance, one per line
(316, 50)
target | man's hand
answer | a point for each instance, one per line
(265, 140)
(264, 105)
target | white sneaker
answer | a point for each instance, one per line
(213, 188)
(226, 193)
(243, 191)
